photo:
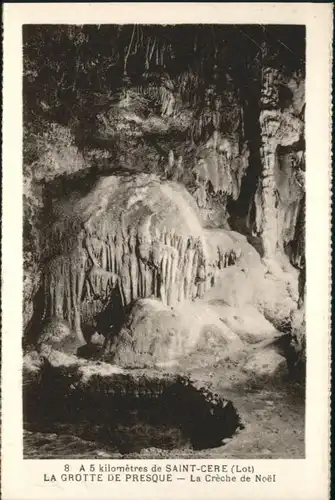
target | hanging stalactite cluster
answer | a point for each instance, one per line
(110, 256)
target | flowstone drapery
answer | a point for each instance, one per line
(128, 243)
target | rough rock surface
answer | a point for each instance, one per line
(155, 334)
(57, 334)
(265, 363)
(281, 190)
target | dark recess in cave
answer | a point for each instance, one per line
(210, 50)
(239, 209)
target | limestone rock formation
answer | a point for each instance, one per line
(129, 238)
(50, 155)
(280, 193)
(157, 335)
(181, 185)
(266, 363)
(57, 334)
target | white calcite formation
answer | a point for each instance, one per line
(280, 191)
(130, 237)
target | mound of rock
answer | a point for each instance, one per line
(247, 322)
(57, 334)
(265, 363)
(155, 334)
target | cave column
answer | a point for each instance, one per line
(269, 125)
(268, 200)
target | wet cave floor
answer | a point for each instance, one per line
(272, 414)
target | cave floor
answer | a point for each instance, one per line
(273, 414)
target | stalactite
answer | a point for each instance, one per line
(128, 51)
(126, 280)
(180, 268)
(167, 273)
(133, 268)
(118, 251)
(67, 291)
(195, 265)
(201, 278)
(112, 253)
(162, 235)
(103, 256)
(141, 261)
(173, 271)
(173, 238)
(189, 254)
(162, 290)
(74, 300)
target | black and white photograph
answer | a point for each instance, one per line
(164, 268)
